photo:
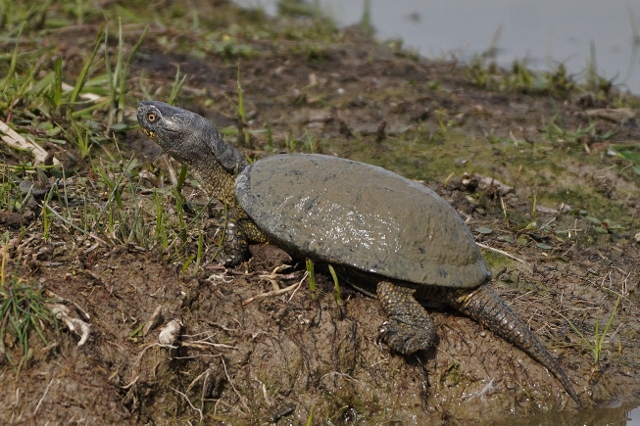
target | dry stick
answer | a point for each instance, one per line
(125, 387)
(501, 252)
(275, 292)
(206, 345)
(43, 395)
(193, 383)
(15, 140)
(242, 400)
(61, 299)
(141, 354)
(199, 411)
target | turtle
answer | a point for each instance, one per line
(386, 235)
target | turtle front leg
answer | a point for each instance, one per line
(235, 244)
(408, 329)
(239, 231)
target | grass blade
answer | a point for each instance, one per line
(84, 73)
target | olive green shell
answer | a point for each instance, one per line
(344, 212)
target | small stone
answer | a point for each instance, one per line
(169, 335)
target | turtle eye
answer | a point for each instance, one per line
(151, 117)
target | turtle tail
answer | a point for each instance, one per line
(487, 308)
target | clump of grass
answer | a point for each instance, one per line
(365, 21)
(557, 132)
(598, 336)
(489, 75)
(175, 88)
(23, 311)
(305, 143)
(593, 79)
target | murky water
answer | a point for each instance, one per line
(542, 32)
(634, 417)
(615, 414)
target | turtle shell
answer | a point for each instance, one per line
(353, 214)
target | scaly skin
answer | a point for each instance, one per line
(196, 143)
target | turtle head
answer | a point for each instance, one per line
(170, 127)
(186, 136)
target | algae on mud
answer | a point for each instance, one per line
(243, 363)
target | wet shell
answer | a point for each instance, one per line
(354, 214)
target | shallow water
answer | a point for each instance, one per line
(542, 32)
(616, 414)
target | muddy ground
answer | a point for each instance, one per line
(248, 357)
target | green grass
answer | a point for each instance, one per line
(599, 336)
(336, 287)
(23, 312)
(78, 106)
(520, 78)
(311, 278)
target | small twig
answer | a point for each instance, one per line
(273, 293)
(226, 373)
(139, 357)
(42, 398)
(13, 139)
(201, 344)
(194, 381)
(336, 373)
(131, 384)
(199, 411)
(84, 313)
(298, 288)
(501, 252)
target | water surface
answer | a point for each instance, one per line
(542, 32)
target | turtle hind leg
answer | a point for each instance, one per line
(408, 329)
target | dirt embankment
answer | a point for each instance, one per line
(286, 356)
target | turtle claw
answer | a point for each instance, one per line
(409, 329)
(407, 338)
(228, 260)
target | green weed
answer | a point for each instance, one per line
(594, 81)
(556, 132)
(336, 287)
(84, 73)
(598, 336)
(305, 143)
(312, 278)
(161, 230)
(118, 77)
(630, 152)
(365, 21)
(176, 87)
(243, 129)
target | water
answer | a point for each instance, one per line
(542, 32)
(634, 417)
